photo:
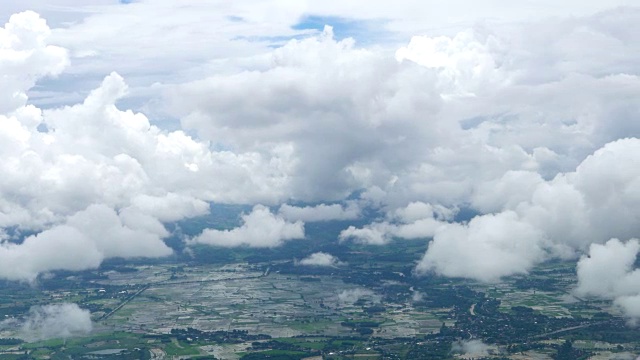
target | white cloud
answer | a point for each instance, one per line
(595, 202)
(260, 228)
(56, 321)
(373, 234)
(62, 247)
(505, 192)
(99, 181)
(316, 95)
(471, 348)
(114, 239)
(568, 213)
(466, 65)
(320, 212)
(356, 118)
(25, 56)
(170, 207)
(415, 221)
(486, 249)
(320, 259)
(82, 242)
(352, 295)
(418, 210)
(608, 272)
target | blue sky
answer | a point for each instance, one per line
(363, 31)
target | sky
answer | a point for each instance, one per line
(120, 117)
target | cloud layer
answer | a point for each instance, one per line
(533, 125)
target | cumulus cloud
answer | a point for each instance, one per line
(82, 242)
(505, 192)
(608, 272)
(92, 179)
(260, 228)
(320, 259)
(25, 58)
(418, 210)
(417, 296)
(533, 220)
(486, 249)
(353, 295)
(471, 348)
(416, 220)
(440, 132)
(373, 234)
(562, 216)
(320, 212)
(56, 321)
(62, 247)
(170, 207)
(330, 85)
(465, 63)
(608, 269)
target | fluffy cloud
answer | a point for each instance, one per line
(608, 269)
(324, 111)
(486, 249)
(465, 64)
(56, 321)
(170, 207)
(534, 219)
(471, 348)
(82, 242)
(260, 228)
(320, 259)
(595, 202)
(505, 192)
(320, 212)
(420, 129)
(418, 210)
(608, 272)
(352, 295)
(374, 234)
(62, 247)
(568, 213)
(92, 179)
(25, 57)
(415, 221)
